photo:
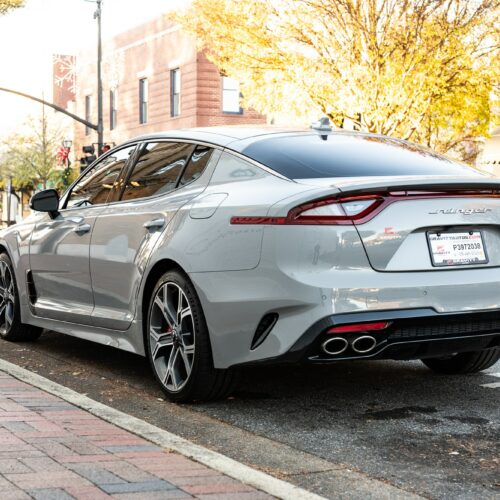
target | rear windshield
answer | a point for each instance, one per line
(344, 155)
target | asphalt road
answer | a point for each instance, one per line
(323, 428)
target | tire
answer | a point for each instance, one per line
(463, 363)
(178, 344)
(11, 327)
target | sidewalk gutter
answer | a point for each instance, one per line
(165, 439)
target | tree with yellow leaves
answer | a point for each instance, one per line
(6, 5)
(422, 70)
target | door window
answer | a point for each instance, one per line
(157, 169)
(196, 165)
(95, 186)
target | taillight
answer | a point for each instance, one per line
(358, 209)
(326, 211)
(359, 327)
(334, 211)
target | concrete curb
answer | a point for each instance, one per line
(165, 439)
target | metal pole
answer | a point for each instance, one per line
(100, 131)
(9, 199)
(93, 126)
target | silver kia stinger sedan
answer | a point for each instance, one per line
(208, 249)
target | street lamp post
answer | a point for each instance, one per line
(9, 199)
(100, 127)
(100, 131)
(67, 143)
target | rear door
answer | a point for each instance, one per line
(59, 247)
(127, 230)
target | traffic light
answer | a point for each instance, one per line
(88, 158)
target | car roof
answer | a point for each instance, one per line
(240, 138)
(236, 136)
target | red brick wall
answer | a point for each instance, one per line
(209, 95)
(151, 51)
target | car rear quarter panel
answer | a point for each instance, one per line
(297, 278)
(201, 237)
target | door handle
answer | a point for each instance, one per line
(155, 223)
(74, 219)
(82, 228)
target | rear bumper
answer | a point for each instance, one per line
(411, 334)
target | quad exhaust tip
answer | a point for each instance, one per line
(364, 344)
(335, 346)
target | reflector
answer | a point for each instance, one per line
(359, 327)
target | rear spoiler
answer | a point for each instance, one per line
(486, 187)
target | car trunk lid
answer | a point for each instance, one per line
(428, 223)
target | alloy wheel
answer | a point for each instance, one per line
(172, 336)
(7, 298)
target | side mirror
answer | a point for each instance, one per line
(46, 201)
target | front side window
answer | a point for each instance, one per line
(175, 92)
(230, 95)
(157, 170)
(197, 163)
(143, 100)
(95, 186)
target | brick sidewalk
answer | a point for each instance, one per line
(50, 449)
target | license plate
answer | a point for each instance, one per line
(457, 249)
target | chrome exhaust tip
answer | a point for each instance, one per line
(334, 346)
(364, 344)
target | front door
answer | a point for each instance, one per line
(60, 246)
(127, 230)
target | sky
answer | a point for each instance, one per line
(30, 35)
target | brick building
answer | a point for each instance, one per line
(154, 79)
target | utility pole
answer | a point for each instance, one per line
(44, 139)
(100, 129)
(9, 199)
(100, 126)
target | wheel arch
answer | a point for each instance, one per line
(14, 258)
(154, 274)
(10, 245)
(12, 250)
(4, 249)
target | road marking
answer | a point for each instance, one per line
(494, 385)
(165, 439)
(493, 374)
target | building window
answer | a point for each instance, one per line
(231, 95)
(88, 112)
(143, 100)
(175, 92)
(112, 109)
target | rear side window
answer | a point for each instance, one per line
(157, 169)
(196, 165)
(95, 186)
(344, 155)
